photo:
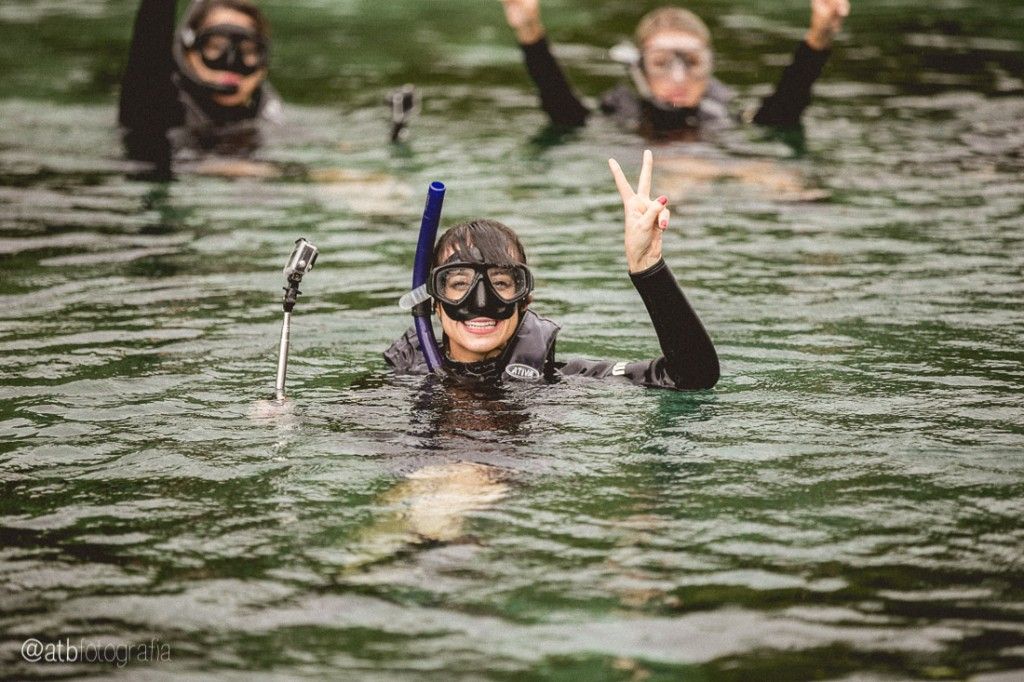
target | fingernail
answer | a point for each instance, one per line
(663, 200)
(664, 223)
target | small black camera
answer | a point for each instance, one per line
(404, 104)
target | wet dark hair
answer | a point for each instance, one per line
(482, 240)
(247, 7)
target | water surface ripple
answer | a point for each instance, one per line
(846, 504)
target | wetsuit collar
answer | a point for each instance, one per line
(663, 119)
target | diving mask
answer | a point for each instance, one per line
(677, 56)
(227, 47)
(467, 290)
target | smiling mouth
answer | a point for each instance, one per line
(480, 325)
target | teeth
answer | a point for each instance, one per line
(480, 325)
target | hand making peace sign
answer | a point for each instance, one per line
(646, 219)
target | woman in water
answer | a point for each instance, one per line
(671, 66)
(481, 288)
(203, 86)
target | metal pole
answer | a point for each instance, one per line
(282, 356)
(299, 263)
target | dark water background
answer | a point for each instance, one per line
(846, 504)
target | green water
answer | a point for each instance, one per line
(846, 504)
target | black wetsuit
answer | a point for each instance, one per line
(689, 361)
(162, 111)
(782, 109)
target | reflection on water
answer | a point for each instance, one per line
(846, 504)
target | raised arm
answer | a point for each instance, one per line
(689, 361)
(792, 95)
(556, 95)
(149, 104)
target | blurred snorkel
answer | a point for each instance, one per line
(223, 47)
(301, 262)
(403, 105)
(418, 300)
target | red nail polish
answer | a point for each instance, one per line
(663, 200)
(664, 223)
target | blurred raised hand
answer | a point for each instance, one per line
(524, 18)
(826, 20)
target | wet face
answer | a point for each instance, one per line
(246, 85)
(677, 66)
(478, 338)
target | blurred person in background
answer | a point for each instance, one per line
(671, 64)
(203, 86)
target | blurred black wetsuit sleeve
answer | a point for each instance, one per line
(149, 105)
(784, 107)
(689, 361)
(556, 96)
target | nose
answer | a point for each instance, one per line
(678, 72)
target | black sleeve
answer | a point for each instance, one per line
(556, 95)
(784, 107)
(149, 104)
(689, 361)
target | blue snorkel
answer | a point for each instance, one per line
(418, 299)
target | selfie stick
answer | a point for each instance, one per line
(301, 262)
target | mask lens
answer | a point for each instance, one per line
(251, 53)
(509, 283)
(452, 284)
(214, 46)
